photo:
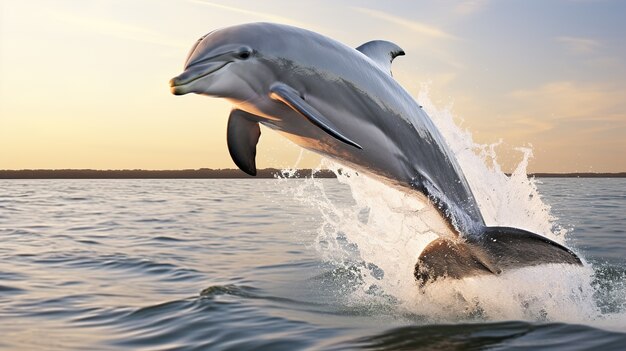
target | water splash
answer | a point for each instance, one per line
(379, 236)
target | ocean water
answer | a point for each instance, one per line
(290, 264)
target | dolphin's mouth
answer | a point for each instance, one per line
(194, 73)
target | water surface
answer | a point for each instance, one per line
(245, 265)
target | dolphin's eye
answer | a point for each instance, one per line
(244, 55)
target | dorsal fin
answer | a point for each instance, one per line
(242, 137)
(382, 52)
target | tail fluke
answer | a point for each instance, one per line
(494, 251)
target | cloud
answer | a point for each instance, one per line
(573, 101)
(116, 29)
(571, 124)
(569, 115)
(533, 126)
(470, 7)
(255, 14)
(418, 27)
(579, 45)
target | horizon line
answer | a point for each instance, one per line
(224, 173)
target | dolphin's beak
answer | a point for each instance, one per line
(175, 88)
(179, 85)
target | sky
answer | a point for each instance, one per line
(84, 83)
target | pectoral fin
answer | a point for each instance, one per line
(242, 136)
(293, 99)
(381, 52)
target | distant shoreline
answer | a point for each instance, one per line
(202, 173)
(206, 173)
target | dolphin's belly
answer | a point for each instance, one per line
(379, 155)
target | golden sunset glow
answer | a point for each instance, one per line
(84, 84)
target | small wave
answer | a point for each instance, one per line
(166, 239)
(12, 276)
(494, 336)
(76, 198)
(155, 220)
(10, 290)
(82, 228)
(206, 322)
(89, 242)
(143, 267)
(230, 289)
(248, 292)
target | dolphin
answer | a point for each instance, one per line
(343, 103)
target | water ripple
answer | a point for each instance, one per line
(229, 265)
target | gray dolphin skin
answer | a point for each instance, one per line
(343, 103)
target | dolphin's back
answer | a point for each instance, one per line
(408, 149)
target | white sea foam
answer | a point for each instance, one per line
(382, 233)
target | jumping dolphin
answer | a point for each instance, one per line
(343, 103)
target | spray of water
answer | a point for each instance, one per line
(379, 236)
